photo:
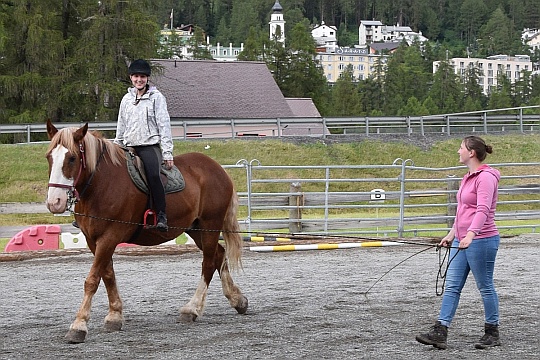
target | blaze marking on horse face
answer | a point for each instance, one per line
(57, 197)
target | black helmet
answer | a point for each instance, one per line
(139, 67)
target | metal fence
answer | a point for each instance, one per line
(388, 200)
(398, 199)
(509, 120)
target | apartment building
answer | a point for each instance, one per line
(335, 61)
(492, 68)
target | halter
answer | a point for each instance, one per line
(71, 190)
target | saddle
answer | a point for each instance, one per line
(172, 179)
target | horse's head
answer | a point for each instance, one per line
(66, 161)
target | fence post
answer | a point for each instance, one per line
(453, 186)
(295, 212)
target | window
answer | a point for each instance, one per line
(341, 66)
(361, 67)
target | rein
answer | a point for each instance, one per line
(441, 273)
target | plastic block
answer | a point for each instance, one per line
(38, 237)
(73, 241)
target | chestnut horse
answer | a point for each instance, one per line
(110, 209)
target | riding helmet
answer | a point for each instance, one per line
(139, 66)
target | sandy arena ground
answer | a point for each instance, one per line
(303, 305)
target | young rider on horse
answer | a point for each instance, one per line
(144, 124)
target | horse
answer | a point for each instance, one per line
(91, 171)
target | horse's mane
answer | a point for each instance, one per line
(94, 144)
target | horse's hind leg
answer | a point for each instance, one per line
(195, 307)
(232, 292)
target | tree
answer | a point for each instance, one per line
(498, 35)
(295, 67)
(472, 89)
(33, 51)
(224, 33)
(501, 96)
(413, 108)
(112, 34)
(197, 46)
(446, 91)
(243, 17)
(473, 14)
(346, 100)
(253, 48)
(407, 74)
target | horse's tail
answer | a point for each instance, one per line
(231, 234)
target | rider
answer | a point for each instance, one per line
(144, 124)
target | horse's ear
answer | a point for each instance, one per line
(51, 129)
(80, 133)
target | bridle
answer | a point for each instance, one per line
(73, 194)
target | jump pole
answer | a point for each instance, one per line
(323, 246)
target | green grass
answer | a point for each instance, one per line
(24, 168)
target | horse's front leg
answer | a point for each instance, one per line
(114, 319)
(102, 267)
(78, 329)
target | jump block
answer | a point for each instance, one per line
(38, 237)
(73, 241)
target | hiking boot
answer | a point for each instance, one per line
(162, 222)
(490, 338)
(436, 336)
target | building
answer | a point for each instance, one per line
(362, 60)
(374, 31)
(491, 68)
(325, 35)
(209, 90)
(531, 38)
(277, 21)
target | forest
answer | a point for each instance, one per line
(67, 60)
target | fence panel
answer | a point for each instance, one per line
(414, 201)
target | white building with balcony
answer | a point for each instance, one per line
(491, 68)
(371, 31)
(325, 35)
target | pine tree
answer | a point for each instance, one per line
(197, 46)
(346, 100)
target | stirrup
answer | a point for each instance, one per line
(152, 214)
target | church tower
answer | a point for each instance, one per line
(276, 20)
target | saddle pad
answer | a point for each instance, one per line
(172, 179)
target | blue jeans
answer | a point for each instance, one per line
(479, 258)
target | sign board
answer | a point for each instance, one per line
(378, 195)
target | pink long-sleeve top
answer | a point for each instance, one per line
(476, 203)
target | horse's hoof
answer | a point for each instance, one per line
(113, 326)
(75, 336)
(187, 318)
(242, 308)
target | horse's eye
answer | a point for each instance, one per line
(72, 159)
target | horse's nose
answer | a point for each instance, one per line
(56, 201)
(56, 206)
